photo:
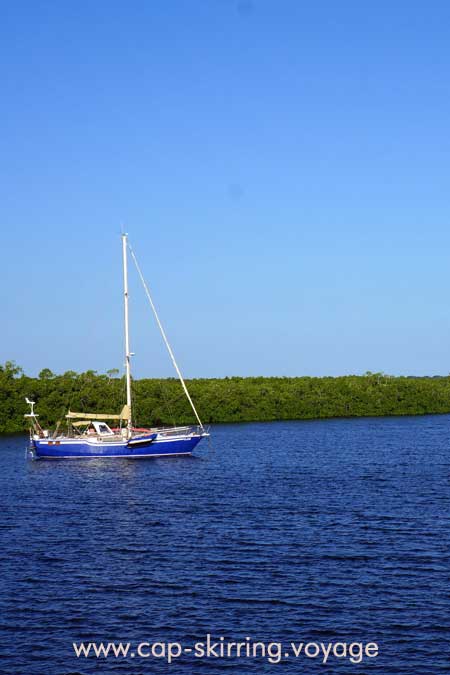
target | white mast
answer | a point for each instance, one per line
(127, 337)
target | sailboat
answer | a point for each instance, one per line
(89, 435)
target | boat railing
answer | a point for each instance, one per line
(177, 431)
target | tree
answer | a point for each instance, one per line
(11, 369)
(46, 374)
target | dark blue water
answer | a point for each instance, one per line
(303, 531)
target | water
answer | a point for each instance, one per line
(298, 531)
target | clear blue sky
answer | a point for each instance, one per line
(282, 168)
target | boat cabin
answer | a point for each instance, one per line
(100, 428)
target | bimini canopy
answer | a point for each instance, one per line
(124, 415)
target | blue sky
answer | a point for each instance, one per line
(282, 169)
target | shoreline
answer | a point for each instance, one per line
(161, 402)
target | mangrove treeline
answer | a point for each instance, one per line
(232, 399)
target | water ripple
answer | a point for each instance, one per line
(314, 531)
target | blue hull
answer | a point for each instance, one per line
(69, 449)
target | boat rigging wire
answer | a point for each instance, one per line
(166, 342)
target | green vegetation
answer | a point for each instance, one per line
(232, 399)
